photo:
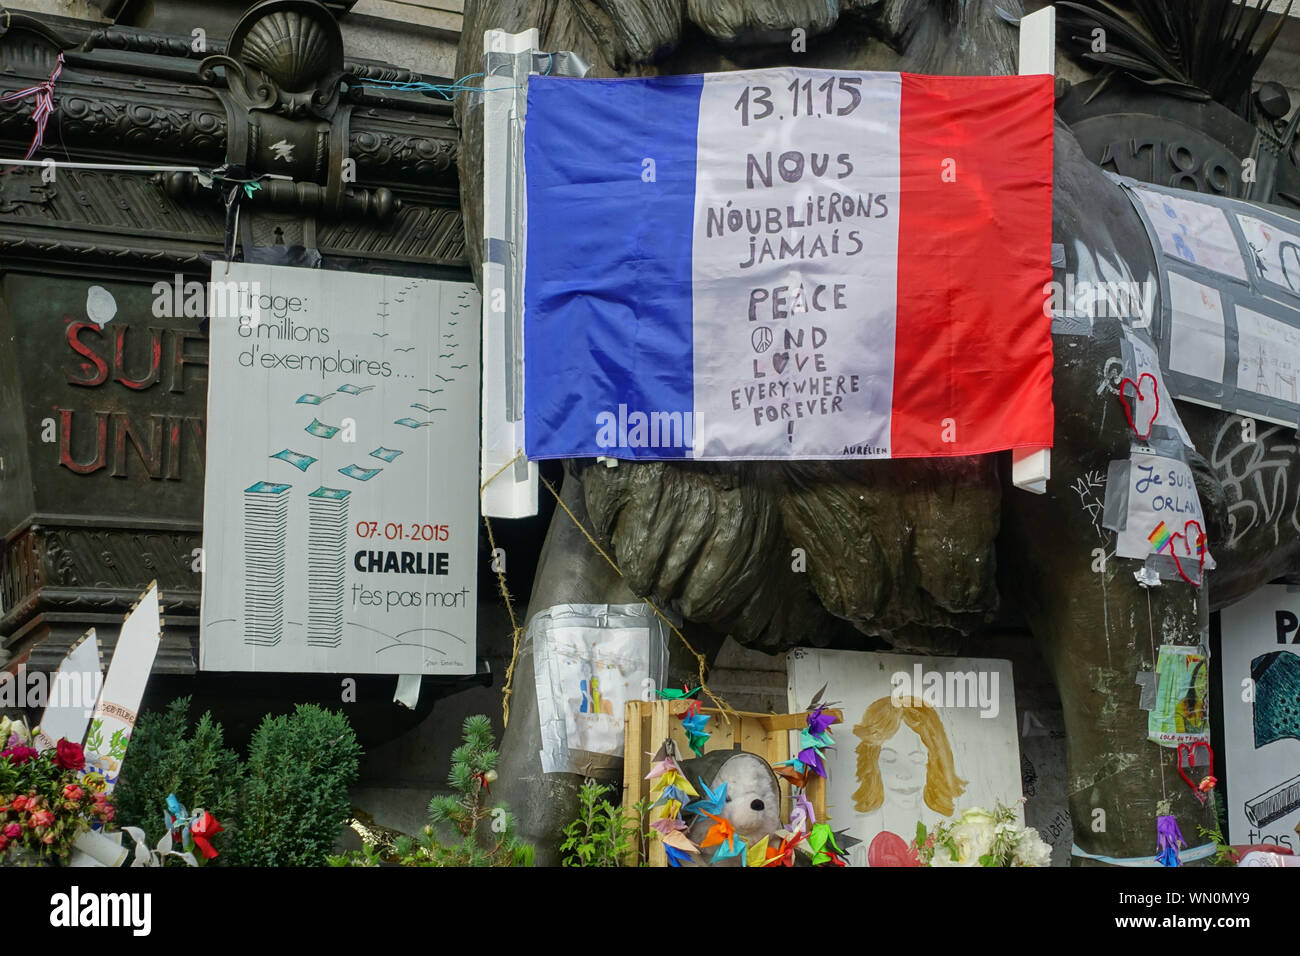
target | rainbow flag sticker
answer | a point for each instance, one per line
(1159, 538)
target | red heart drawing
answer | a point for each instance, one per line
(1209, 780)
(1137, 391)
(1199, 542)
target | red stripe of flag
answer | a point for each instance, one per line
(972, 341)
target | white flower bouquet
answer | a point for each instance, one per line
(982, 838)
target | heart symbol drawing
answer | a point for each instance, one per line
(1198, 542)
(780, 360)
(1142, 399)
(1202, 789)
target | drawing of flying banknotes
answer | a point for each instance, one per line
(412, 423)
(299, 461)
(359, 473)
(354, 389)
(321, 430)
(310, 399)
(385, 454)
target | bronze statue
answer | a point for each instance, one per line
(917, 553)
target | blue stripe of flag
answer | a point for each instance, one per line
(607, 289)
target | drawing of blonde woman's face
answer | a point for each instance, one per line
(904, 749)
(902, 764)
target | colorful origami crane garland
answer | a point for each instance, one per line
(813, 739)
(1168, 839)
(692, 721)
(804, 833)
(670, 791)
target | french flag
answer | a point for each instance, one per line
(787, 264)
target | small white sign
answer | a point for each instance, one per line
(1261, 719)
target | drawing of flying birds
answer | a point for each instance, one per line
(459, 367)
(431, 391)
(426, 408)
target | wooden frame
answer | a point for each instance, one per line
(649, 723)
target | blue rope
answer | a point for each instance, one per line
(447, 91)
(1186, 856)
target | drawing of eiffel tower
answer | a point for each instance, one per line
(1261, 380)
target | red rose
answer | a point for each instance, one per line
(19, 802)
(70, 756)
(13, 831)
(73, 792)
(3, 843)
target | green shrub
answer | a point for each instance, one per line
(165, 757)
(481, 834)
(295, 798)
(602, 834)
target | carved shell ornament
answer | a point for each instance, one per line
(285, 55)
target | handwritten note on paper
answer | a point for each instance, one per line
(1196, 334)
(1269, 356)
(1162, 500)
(1146, 362)
(1195, 232)
(1277, 251)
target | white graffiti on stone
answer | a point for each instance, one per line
(1256, 475)
(1090, 487)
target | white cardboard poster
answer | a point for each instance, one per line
(74, 689)
(893, 765)
(113, 720)
(341, 504)
(1260, 653)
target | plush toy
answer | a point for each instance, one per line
(750, 805)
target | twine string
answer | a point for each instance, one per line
(726, 709)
